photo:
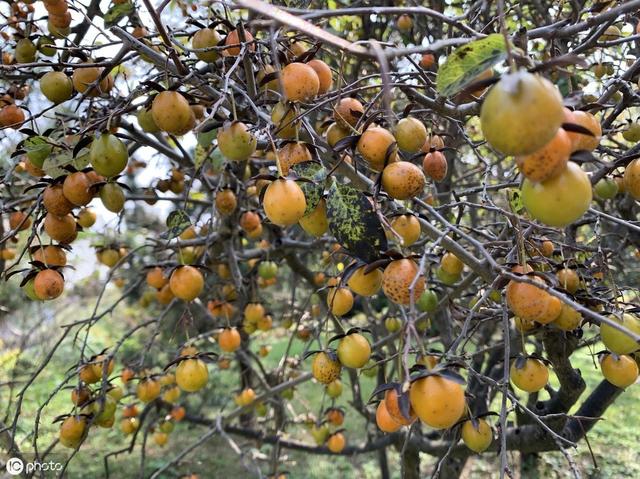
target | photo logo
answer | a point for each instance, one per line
(15, 466)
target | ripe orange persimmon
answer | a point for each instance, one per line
(60, 228)
(54, 200)
(300, 82)
(365, 284)
(284, 202)
(402, 180)
(186, 282)
(392, 405)
(76, 189)
(347, 113)
(324, 74)
(234, 45)
(377, 145)
(156, 278)
(19, 220)
(292, 154)
(531, 303)
(229, 340)
(549, 160)
(48, 284)
(397, 279)
(385, 422)
(340, 301)
(530, 376)
(50, 255)
(408, 227)
(324, 369)
(438, 402)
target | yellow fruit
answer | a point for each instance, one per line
(365, 284)
(569, 318)
(438, 402)
(621, 371)
(284, 202)
(282, 116)
(56, 86)
(316, 223)
(171, 113)
(521, 113)
(374, 144)
(631, 179)
(236, 142)
(477, 437)
(402, 180)
(561, 200)
(192, 375)
(397, 279)
(340, 301)
(186, 282)
(86, 217)
(408, 227)
(451, 264)
(325, 369)
(411, 134)
(354, 351)
(206, 38)
(148, 389)
(72, 431)
(618, 341)
(532, 376)
(108, 155)
(335, 133)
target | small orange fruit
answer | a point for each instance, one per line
(300, 82)
(186, 282)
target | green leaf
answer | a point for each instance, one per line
(38, 149)
(354, 222)
(82, 161)
(515, 200)
(467, 62)
(206, 138)
(312, 191)
(117, 13)
(200, 155)
(54, 165)
(177, 222)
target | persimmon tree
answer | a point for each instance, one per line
(439, 200)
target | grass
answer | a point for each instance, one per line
(614, 440)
